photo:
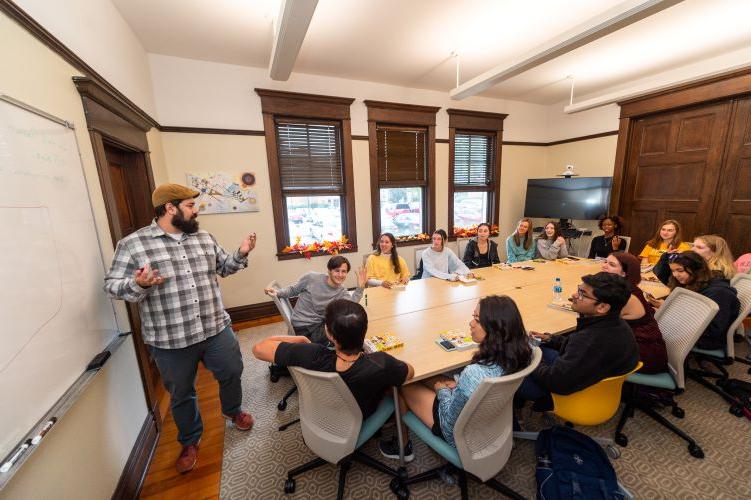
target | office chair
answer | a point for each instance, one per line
(333, 427)
(285, 310)
(593, 405)
(483, 434)
(726, 356)
(682, 319)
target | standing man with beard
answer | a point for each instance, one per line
(170, 269)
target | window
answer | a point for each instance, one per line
(402, 180)
(474, 168)
(310, 168)
(402, 163)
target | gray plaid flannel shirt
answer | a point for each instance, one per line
(185, 309)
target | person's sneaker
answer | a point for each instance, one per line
(243, 421)
(390, 449)
(187, 459)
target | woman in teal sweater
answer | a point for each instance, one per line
(520, 246)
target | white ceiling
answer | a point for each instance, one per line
(409, 42)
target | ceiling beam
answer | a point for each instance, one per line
(612, 20)
(289, 33)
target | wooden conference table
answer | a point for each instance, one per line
(424, 308)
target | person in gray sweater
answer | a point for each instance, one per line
(550, 244)
(314, 291)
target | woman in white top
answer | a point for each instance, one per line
(550, 244)
(441, 262)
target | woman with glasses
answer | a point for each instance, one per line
(504, 348)
(689, 270)
(666, 239)
(639, 313)
(550, 244)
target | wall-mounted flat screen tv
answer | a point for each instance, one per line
(584, 198)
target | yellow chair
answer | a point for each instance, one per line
(595, 404)
(591, 406)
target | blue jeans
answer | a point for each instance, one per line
(530, 390)
(221, 355)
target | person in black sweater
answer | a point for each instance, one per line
(610, 242)
(601, 346)
(481, 251)
(689, 270)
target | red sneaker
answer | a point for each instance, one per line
(187, 459)
(243, 421)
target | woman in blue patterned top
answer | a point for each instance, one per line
(504, 349)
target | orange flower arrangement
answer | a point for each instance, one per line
(326, 246)
(468, 232)
(413, 237)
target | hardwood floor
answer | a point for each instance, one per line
(162, 480)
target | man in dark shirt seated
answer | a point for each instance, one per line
(368, 376)
(602, 345)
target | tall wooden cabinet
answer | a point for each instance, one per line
(685, 154)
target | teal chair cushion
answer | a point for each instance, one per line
(715, 353)
(438, 444)
(376, 420)
(661, 380)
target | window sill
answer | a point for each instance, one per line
(409, 243)
(454, 238)
(297, 255)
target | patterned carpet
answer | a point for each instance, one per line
(655, 464)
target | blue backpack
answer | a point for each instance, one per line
(571, 465)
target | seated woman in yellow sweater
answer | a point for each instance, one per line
(384, 267)
(666, 239)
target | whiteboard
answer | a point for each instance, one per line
(54, 316)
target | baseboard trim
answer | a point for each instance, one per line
(252, 312)
(134, 473)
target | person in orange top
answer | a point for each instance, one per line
(667, 239)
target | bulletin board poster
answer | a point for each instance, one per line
(224, 193)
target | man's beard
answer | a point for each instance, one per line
(189, 226)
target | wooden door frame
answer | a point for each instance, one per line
(717, 88)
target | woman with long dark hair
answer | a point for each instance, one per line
(481, 251)
(441, 262)
(504, 349)
(550, 244)
(385, 267)
(689, 270)
(639, 313)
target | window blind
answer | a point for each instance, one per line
(401, 156)
(474, 159)
(309, 156)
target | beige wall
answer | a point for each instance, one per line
(234, 153)
(84, 454)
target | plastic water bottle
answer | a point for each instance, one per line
(557, 290)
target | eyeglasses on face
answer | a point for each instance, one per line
(583, 295)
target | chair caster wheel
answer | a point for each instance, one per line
(289, 486)
(282, 405)
(399, 489)
(678, 412)
(621, 439)
(274, 378)
(736, 411)
(695, 451)
(613, 452)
